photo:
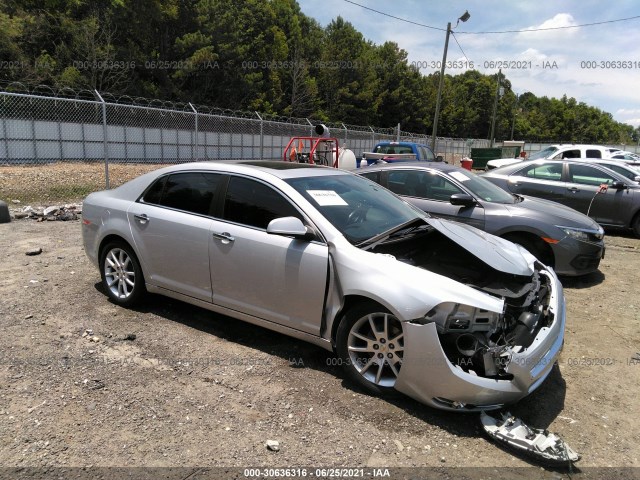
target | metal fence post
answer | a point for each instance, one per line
(195, 153)
(261, 136)
(105, 139)
(311, 125)
(398, 135)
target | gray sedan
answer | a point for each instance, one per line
(558, 236)
(611, 199)
(443, 312)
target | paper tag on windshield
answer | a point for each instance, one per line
(326, 198)
(461, 177)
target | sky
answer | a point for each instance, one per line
(598, 65)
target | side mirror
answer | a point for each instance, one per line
(618, 185)
(439, 158)
(289, 226)
(462, 199)
(636, 179)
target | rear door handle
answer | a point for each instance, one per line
(573, 189)
(226, 237)
(141, 217)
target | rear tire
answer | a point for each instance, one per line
(121, 274)
(370, 344)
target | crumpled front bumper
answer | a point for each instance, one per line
(429, 377)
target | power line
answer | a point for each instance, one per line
(460, 46)
(493, 32)
(557, 28)
(397, 18)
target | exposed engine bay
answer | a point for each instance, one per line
(479, 342)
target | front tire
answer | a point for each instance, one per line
(370, 344)
(636, 225)
(121, 274)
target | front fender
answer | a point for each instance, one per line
(407, 291)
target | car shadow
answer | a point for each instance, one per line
(538, 410)
(583, 281)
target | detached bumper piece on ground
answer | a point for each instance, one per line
(532, 442)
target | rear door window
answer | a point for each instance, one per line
(189, 191)
(592, 153)
(549, 171)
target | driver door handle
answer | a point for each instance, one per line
(141, 217)
(573, 189)
(226, 237)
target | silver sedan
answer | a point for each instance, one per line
(454, 317)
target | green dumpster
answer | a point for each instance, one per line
(481, 156)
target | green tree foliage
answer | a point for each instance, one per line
(266, 55)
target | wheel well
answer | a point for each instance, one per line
(349, 302)
(541, 245)
(111, 238)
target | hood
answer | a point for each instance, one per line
(496, 252)
(551, 212)
(501, 162)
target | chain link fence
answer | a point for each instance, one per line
(58, 146)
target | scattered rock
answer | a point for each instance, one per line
(17, 202)
(50, 211)
(130, 337)
(34, 251)
(273, 445)
(27, 317)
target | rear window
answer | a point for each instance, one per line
(393, 149)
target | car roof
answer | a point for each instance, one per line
(279, 169)
(579, 145)
(393, 142)
(443, 167)
(510, 169)
(597, 161)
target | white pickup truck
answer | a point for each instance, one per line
(557, 152)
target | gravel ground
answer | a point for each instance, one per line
(85, 383)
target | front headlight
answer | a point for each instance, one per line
(585, 235)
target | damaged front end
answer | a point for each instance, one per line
(483, 343)
(463, 356)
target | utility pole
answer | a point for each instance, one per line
(515, 114)
(495, 109)
(439, 96)
(464, 17)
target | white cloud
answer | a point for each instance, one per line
(561, 20)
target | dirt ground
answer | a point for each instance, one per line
(170, 384)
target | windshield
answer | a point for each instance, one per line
(483, 188)
(544, 153)
(358, 208)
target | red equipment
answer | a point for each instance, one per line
(312, 150)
